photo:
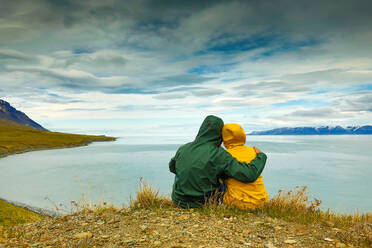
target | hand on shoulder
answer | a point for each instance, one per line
(257, 150)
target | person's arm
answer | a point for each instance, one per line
(172, 162)
(241, 171)
(246, 172)
(172, 165)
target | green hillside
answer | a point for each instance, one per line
(11, 215)
(15, 138)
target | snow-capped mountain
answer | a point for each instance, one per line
(324, 130)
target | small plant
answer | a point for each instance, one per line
(83, 203)
(148, 197)
(293, 204)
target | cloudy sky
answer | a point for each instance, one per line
(146, 67)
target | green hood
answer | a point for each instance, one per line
(210, 130)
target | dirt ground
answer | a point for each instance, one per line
(175, 228)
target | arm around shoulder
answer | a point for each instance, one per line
(245, 172)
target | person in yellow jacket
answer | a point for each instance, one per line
(239, 194)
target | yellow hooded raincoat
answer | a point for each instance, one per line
(239, 194)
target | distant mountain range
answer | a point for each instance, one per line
(8, 112)
(325, 130)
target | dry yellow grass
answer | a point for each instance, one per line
(295, 206)
(152, 220)
(149, 198)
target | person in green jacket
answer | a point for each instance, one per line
(200, 164)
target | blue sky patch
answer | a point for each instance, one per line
(130, 91)
(205, 69)
(54, 95)
(356, 88)
(226, 44)
(82, 50)
(318, 92)
(302, 103)
(288, 47)
(363, 87)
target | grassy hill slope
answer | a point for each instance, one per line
(15, 138)
(11, 215)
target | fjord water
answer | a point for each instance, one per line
(336, 169)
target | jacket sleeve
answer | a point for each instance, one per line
(172, 165)
(172, 162)
(241, 171)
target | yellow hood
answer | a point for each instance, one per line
(233, 135)
(239, 194)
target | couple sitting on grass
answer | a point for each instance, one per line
(200, 167)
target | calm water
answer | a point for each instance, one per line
(336, 169)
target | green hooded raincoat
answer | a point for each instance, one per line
(198, 165)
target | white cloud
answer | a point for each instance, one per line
(144, 60)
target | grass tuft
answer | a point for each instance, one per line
(147, 197)
(83, 204)
(292, 206)
(295, 206)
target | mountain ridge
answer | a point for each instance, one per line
(10, 113)
(323, 130)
